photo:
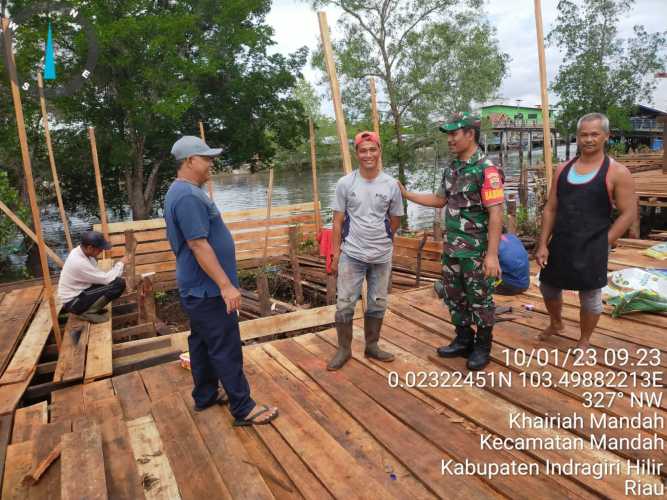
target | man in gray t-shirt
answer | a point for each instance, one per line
(367, 211)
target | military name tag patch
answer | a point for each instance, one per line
(492, 189)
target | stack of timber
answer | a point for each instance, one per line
(642, 162)
(351, 434)
(153, 254)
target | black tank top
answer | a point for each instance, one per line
(579, 248)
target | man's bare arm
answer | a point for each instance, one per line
(491, 265)
(625, 200)
(338, 218)
(425, 199)
(548, 221)
(395, 223)
(206, 258)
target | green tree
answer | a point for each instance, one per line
(9, 233)
(162, 67)
(430, 57)
(602, 72)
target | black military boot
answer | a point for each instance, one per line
(462, 344)
(344, 353)
(372, 328)
(482, 350)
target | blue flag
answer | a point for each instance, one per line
(49, 62)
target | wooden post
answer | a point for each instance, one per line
(30, 184)
(8, 212)
(262, 279)
(335, 92)
(530, 146)
(294, 261)
(511, 214)
(209, 184)
(374, 113)
(546, 127)
(663, 120)
(130, 250)
(146, 301)
(98, 182)
(313, 166)
(52, 161)
(523, 185)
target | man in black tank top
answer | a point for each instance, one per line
(577, 228)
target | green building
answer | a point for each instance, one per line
(500, 113)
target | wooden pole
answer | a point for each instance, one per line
(313, 166)
(131, 250)
(27, 169)
(8, 212)
(52, 161)
(262, 279)
(374, 112)
(294, 261)
(209, 184)
(335, 92)
(546, 126)
(98, 183)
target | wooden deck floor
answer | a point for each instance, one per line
(344, 434)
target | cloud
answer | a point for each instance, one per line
(296, 25)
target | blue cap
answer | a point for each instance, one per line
(95, 239)
(190, 145)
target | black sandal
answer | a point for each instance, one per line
(243, 422)
(221, 401)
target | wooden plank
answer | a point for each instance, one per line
(122, 475)
(97, 391)
(157, 382)
(72, 356)
(132, 395)
(227, 452)
(27, 355)
(11, 394)
(18, 463)
(156, 474)
(27, 420)
(67, 403)
(82, 465)
(99, 361)
(16, 310)
(191, 462)
(5, 435)
(338, 471)
(46, 439)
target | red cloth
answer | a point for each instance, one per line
(325, 239)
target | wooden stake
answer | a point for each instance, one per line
(52, 161)
(335, 92)
(374, 113)
(546, 126)
(269, 198)
(294, 261)
(146, 301)
(8, 212)
(130, 250)
(98, 183)
(262, 279)
(30, 184)
(209, 184)
(313, 166)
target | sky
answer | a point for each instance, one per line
(295, 24)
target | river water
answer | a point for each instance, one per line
(246, 191)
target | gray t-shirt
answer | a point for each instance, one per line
(367, 205)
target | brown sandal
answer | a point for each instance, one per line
(252, 419)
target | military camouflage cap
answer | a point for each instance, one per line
(459, 120)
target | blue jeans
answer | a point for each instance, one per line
(351, 274)
(215, 354)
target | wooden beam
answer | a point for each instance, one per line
(130, 250)
(146, 302)
(142, 330)
(294, 261)
(313, 166)
(15, 219)
(52, 161)
(335, 92)
(27, 168)
(374, 113)
(546, 126)
(269, 198)
(209, 183)
(98, 183)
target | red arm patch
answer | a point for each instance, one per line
(492, 189)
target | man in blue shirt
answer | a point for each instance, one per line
(208, 286)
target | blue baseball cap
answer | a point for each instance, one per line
(190, 145)
(95, 239)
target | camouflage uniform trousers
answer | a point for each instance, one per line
(467, 293)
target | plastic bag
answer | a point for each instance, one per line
(658, 251)
(635, 289)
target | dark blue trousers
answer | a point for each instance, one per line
(215, 354)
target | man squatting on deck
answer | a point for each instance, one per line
(208, 286)
(472, 191)
(83, 288)
(367, 210)
(577, 232)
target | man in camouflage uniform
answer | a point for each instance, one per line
(472, 191)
